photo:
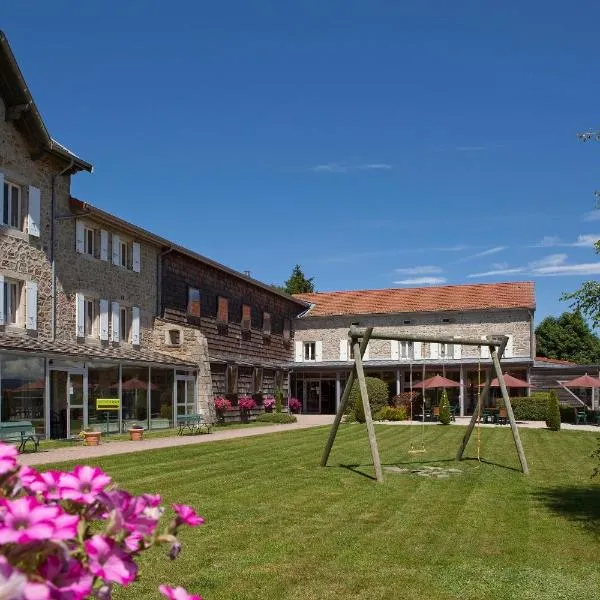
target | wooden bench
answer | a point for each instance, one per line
(195, 423)
(19, 432)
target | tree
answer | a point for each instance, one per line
(298, 283)
(567, 337)
(444, 409)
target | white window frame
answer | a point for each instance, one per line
(406, 350)
(8, 213)
(90, 323)
(309, 351)
(447, 351)
(124, 252)
(89, 234)
(124, 324)
(13, 298)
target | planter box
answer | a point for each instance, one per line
(234, 415)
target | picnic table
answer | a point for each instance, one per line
(194, 423)
(19, 432)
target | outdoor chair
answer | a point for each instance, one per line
(436, 413)
(581, 417)
(502, 416)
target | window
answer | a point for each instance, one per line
(13, 209)
(258, 379)
(223, 310)
(125, 323)
(447, 320)
(124, 254)
(310, 351)
(90, 317)
(174, 337)
(266, 324)
(231, 379)
(12, 301)
(89, 241)
(193, 308)
(246, 317)
(447, 350)
(406, 322)
(287, 330)
(407, 350)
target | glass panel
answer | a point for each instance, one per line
(14, 208)
(181, 393)
(103, 382)
(191, 396)
(135, 396)
(58, 404)
(161, 399)
(313, 393)
(5, 212)
(75, 395)
(23, 384)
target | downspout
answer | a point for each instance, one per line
(52, 252)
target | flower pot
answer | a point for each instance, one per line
(92, 438)
(135, 435)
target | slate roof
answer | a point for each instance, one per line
(10, 341)
(425, 299)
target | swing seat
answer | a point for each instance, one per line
(414, 450)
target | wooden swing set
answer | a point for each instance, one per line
(359, 338)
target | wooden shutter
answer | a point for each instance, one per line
(104, 320)
(2, 202)
(193, 302)
(79, 315)
(417, 349)
(136, 257)
(318, 351)
(299, 351)
(33, 213)
(223, 310)
(434, 350)
(103, 244)
(31, 289)
(344, 349)
(2, 313)
(116, 249)
(115, 325)
(80, 236)
(457, 348)
(367, 351)
(395, 350)
(135, 325)
(246, 317)
(266, 324)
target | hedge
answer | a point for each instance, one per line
(531, 408)
(378, 398)
(276, 418)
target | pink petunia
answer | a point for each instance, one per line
(186, 514)
(8, 458)
(31, 480)
(65, 580)
(109, 562)
(177, 593)
(12, 582)
(25, 520)
(83, 484)
(133, 513)
(52, 489)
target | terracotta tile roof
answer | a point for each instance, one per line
(554, 361)
(425, 299)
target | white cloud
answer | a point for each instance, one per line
(374, 167)
(496, 272)
(552, 260)
(425, 270)
(500, 265)
(421, 281)
(471, 148)
(488, 252)
(585, 240)
(577, 269)
(548, 241)
(343, 167)
(551, 265)
(593, 215)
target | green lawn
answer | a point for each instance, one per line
(280, 527)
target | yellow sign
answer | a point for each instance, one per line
(108, 404)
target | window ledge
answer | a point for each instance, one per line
(13, 232)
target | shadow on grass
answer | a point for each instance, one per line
(579, 504)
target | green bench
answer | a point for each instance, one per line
(195, 423)
(19, 432)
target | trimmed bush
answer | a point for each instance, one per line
(276, 418)
(552, 412)
(278, 400)
(378, 397)
(531, 408)
(391, 413)
(444, 409)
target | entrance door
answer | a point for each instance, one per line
(68, 402)
(75, 404)
(312, 396)
(186, 395)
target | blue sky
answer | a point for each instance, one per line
(375, 143)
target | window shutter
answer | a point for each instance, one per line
(395, 350)
(33, 216)
(318, 351)
(299, 351)
(135, 325)
(508, 352)
(2, 316)
(344, 349)
(417, 350)
(485, 350)
(103, 244)
(136, 257)
(116, 258)
(115, 328)
(104, 319)
(31, 288)
(80, 236)
(79, 315)
(2, 201)
(366, 354)
(457, 348)
(434, 350)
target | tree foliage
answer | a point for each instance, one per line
(378, 398)
(567, 337)
(298, 283)
(444, 409)
(553, 412)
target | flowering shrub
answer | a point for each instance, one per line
(294, 404)
(269, 402)
(70, 536)
(246, 403)
(222, 404)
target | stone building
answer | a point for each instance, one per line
(322, 354)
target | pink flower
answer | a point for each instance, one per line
(12, 582)
(25, 520)
(108, 562)
(31, 480)
(66, 580)
(177, 593)
(133, 513)
(83, 484)
(134, 542)
(52, 489)
(186, 514)
(8, 458)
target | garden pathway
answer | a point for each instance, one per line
(85, 453)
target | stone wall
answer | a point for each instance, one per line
(330, 330)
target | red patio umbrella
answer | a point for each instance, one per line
(437, 381)
(39, 384)
(585, 381)
(134, 384)
(509, 382)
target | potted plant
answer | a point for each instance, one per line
(268, 403)
(294, 405)
(222, 405)
(136, 432)
(246, 404)
(90, 437)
